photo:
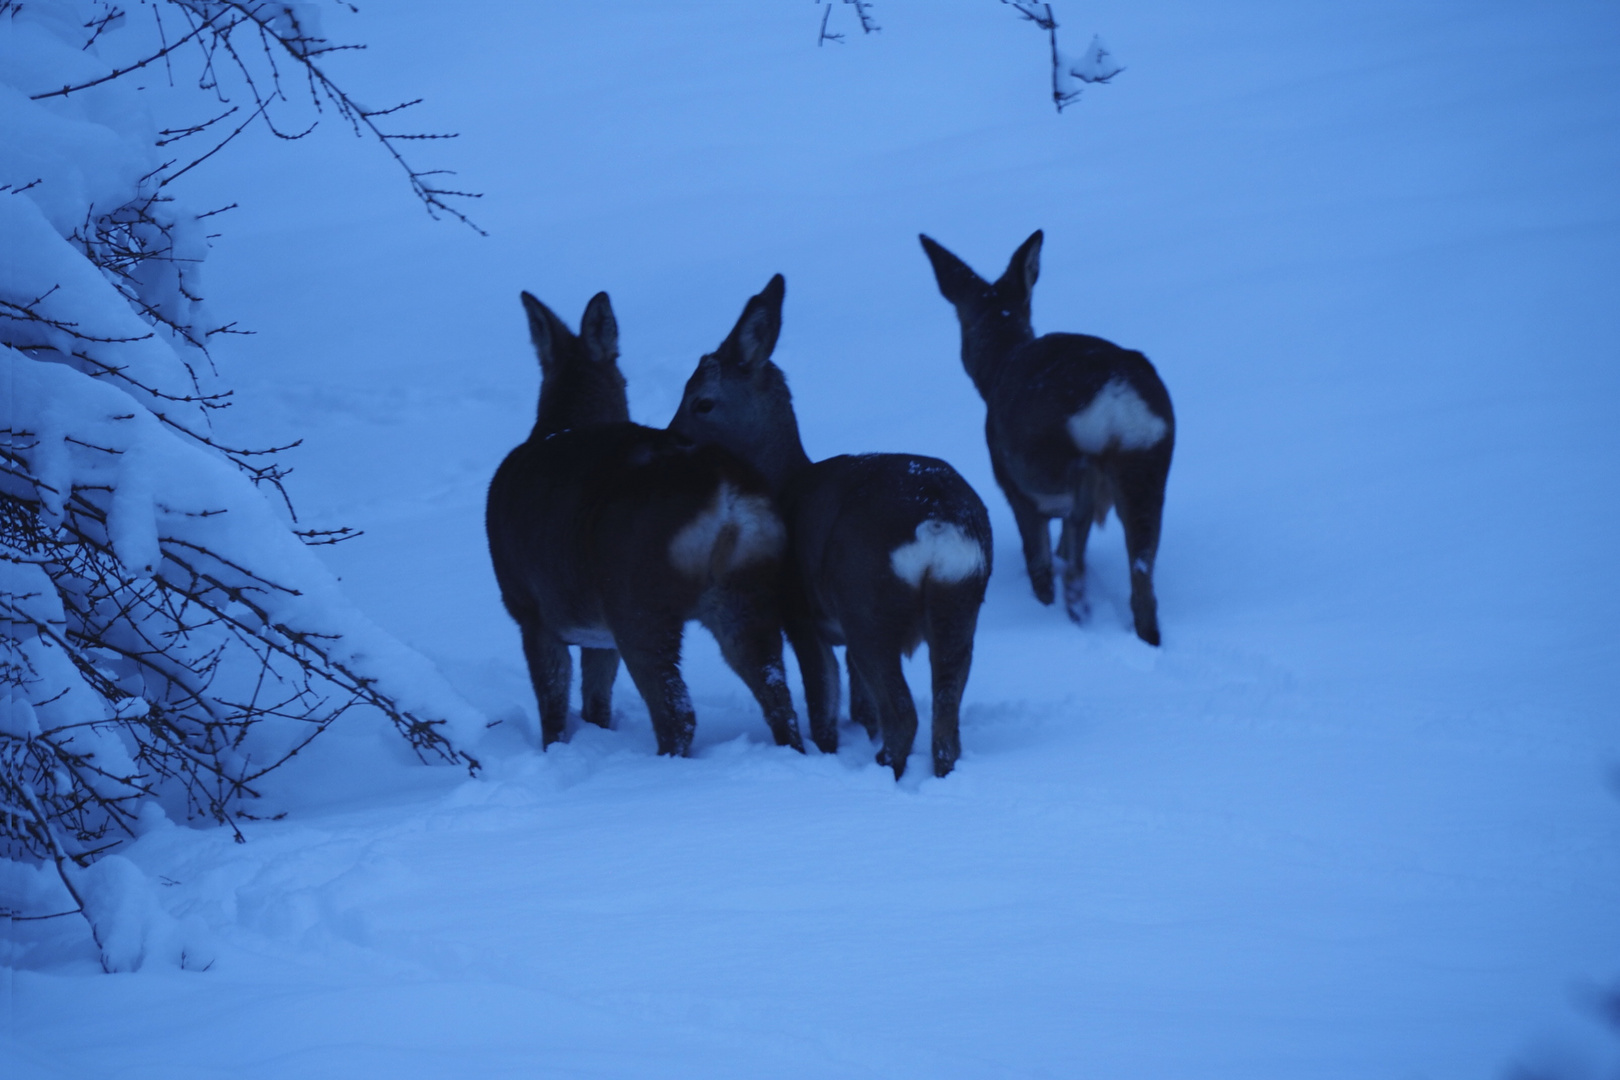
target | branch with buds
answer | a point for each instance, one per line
(863, 15)
(242, 45)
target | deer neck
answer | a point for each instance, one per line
(570, 400)
(783, 458)
(987, 338)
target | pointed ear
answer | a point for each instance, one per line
(1023, 269)
(957, 281)
(549, 333)
(599, 330)
(753, 339)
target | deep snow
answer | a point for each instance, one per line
(1356, 818)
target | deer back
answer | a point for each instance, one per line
(871, 531)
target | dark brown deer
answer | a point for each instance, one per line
(885, 551)
(610, 536)
(1076, 426)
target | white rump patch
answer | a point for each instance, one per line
(746, 523)
(943, 551)
(1116, 417)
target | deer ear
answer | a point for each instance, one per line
(957, 281)
(1023, 269)
(549, 333)
(599, 330)
(753, 339)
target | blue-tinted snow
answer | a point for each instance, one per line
(1351, 820)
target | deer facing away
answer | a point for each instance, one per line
(1076, 426)
(610, 536)
(885, 551)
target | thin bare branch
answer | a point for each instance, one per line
(118, 73)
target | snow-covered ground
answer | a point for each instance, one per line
(1357, 818)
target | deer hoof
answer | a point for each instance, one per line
(1074, 601)
(1042, 584)
(1147, 621)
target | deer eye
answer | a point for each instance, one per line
(703, 405)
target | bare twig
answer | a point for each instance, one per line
(863, 15)
(118, 73)
(1063, 73)
(272, 31)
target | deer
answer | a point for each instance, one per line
(611, 536)
(885, 551)
(1076, 426)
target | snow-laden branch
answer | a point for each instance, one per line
(240, 41)
(168, 639)
(1069, 73)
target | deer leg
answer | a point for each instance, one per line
(1072, 554)
(652, 655)
(952, 620)
(1033, 530)
(897, 713)
(550, 669)
(1140, 505)
(598, 668)
(862, 707)
(819, 667)
(751, 641)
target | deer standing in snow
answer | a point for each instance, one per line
(610, 536)
(885, 551)
(1076, 426)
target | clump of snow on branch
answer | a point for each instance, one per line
(168, 638)
(1095, 65)
(1070, 73)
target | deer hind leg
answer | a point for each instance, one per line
(1092, 501)
(652, 655)
(1034, 531)
(1139, 502)
(598, 668)
(862, 705)
(879, 667)
(953, 617)
(750, 637)
(550, 669)
(1072, 555)
(819, 667)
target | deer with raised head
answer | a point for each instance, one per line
(885, 551)
(611, 536)
(1076, 426)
